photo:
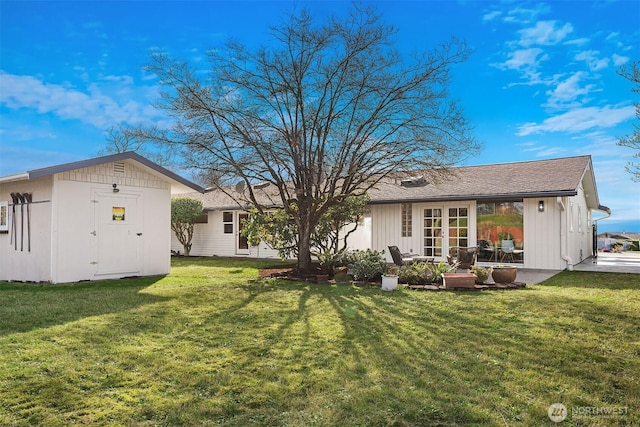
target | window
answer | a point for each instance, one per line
(227, 221)
(579, 219)
(202, 219)
(406, 220)
(500, 228)
(571, 216)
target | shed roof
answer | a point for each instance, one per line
(178, 184)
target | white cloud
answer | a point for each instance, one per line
(578, 42)
(524, 59)
(568, 91)
(593, 60)
(491, 15)
(619, 60)
(527, 63)
(580, 119)
(93, 106)
(523, 15)
(544, 33)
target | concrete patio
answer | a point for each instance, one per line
(606, 262)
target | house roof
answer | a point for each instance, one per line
(531, 179)
(178, 184)
(539, 178)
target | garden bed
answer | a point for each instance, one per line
(485, 287)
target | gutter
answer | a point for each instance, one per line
(23, 176)
(604, 209)
(466, 197)
(563, 238)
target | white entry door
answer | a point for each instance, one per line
(118, 233)
(242, 244)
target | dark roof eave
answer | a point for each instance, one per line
(458, 198)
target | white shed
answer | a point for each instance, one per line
(101, 218)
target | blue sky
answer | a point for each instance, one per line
(540, 84)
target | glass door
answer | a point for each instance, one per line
(458, 220)
(432, 244)
(444, 228)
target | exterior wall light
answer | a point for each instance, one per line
(116, 189)
(541, 206)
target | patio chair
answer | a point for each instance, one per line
(401, 259)
(509, 250)
(465, 256)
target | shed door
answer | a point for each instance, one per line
(118, 233)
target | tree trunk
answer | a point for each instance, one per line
(304, 248)
(187, 249)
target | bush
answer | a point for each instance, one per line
(417, 273)
(440, 268)
(367, 265)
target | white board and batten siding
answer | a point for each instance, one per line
(386, 223)
(210, 239)
(74, 235)
(84, 199)
(548, 235)
(28, 266)
(541, 230)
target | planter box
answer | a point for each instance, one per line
(459, 280)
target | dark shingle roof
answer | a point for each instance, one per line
(540, 178)
(555, 177)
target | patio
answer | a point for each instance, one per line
(611, 262)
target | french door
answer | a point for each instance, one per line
(445, 227)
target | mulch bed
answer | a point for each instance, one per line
(291, 274)
(487, 287)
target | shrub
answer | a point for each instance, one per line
(417, 273)
(367, 265)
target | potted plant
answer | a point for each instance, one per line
(504, 273)
(481, 273)
(390, 278)
(437, 270)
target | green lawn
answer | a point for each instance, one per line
(214, 344)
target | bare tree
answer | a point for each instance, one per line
(323, 113)
(120, 139)
(633, 140)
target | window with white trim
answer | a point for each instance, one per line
(407, 223)
(227, 221)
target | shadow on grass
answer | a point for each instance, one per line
(27, 307)
(196, 261)
(275, 352)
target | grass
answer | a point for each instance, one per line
(213, 344)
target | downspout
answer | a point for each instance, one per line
(563, 238)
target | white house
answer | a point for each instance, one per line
(541, 211)
(101, 218)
